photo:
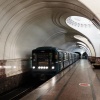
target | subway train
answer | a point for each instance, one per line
(51, 60)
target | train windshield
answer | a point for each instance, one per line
(43, 57)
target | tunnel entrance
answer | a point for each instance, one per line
(84, 55)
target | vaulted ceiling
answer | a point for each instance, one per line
(27, 24)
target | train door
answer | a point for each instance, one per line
(67, 59)
(64, 59)
(60, 60)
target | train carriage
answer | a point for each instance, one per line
(50, 60)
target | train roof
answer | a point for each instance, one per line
(51, 48)
(46, 48)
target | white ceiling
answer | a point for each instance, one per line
(27, 24)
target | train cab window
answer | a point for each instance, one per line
(56, 57)
(34, 57)
(51, 57)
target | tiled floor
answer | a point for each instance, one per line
(78, 82)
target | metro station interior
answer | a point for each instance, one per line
(70, 25)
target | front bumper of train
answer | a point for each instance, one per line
(39, 72)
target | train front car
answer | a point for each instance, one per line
(44, 61)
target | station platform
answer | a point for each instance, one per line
(77, 82)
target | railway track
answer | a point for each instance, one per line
(19, 92)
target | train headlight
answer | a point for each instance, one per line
(39, 67)
(42, 67)
(46, 67)
(33, 67)
(53, 67)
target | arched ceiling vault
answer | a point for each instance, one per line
(27, 24)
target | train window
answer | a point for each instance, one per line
(34, 57)
(69, 56)
(72, 56)
(64, 56)
(50, 56)
(60, 56)
(56, 56)
(43, 57)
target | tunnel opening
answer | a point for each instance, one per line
(84, 55)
